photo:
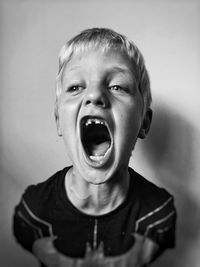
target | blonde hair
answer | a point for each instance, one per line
(106, 39)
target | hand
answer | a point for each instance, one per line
(46, 252)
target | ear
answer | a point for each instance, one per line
(146, 124)
(57, 121)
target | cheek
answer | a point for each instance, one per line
(67, 130)
(67, 111)
(66, 122)
(130, 116)
(129, 123)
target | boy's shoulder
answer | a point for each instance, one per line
(150, 194)
(37, 196)
(156, 214)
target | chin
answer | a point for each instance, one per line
(96, 176)
(99, 174)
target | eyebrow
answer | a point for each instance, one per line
(119, 69)
(124, 71)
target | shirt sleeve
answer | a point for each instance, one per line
(159, 225)
(28, 225)
(24, 231)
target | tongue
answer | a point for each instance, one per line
(98, 149)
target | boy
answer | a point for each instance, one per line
(98, 212)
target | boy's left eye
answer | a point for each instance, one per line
(117, 88)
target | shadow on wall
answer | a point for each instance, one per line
(170, 151)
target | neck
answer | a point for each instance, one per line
(97, 199)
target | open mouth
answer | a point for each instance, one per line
(96, 138)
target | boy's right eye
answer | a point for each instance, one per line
(74, 89)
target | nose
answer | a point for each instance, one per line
(97, 96)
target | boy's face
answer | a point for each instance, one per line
(100, 113)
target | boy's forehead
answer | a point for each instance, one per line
(114, 59)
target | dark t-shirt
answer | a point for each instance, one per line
(45, 210)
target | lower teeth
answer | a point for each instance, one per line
(96, 158)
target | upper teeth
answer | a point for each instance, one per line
(96, 121)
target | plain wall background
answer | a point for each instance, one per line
(31, 35)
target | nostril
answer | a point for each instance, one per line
(97, 102)
(100, 103)
(87, 102)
